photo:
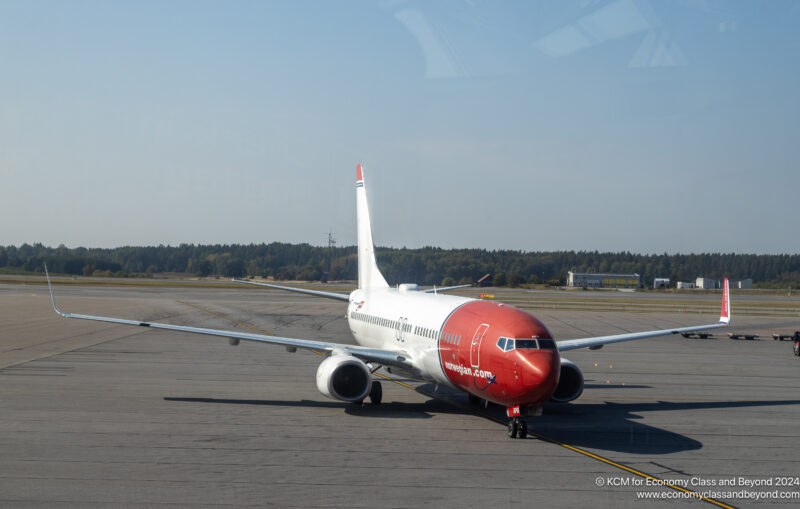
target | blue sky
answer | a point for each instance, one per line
(614, 125)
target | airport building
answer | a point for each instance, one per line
(661, 282)
(591, 280)
(704, 282)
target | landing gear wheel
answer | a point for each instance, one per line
(474, 400)
(517, 428)
(513, 428)
(376, 393)
(523, 429)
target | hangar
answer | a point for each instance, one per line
(592, 280)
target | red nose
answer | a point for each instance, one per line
(539, 370)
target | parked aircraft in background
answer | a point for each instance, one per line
(487, 349)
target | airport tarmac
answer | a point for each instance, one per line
(97, 415)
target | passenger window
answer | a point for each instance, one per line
(501, 344)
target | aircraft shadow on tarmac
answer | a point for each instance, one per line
(614, 386)
(394, 409)
(607, 426)
(615, 427)
(603, 426)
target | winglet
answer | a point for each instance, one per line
(725, 314)
(52, 297)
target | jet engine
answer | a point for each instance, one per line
(344, 377)
(570, 383)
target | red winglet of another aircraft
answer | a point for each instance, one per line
(359, 175)
(725, 314)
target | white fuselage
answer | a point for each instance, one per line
(405, 321)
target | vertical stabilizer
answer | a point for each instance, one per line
(368, 274)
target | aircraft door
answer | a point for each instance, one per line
(475, 352)
(400, 328)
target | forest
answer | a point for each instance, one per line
(425, 266)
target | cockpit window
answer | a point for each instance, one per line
(528, 344)
(508, 344)
(547, 344)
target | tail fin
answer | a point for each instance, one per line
(368, 274)
(725, 314)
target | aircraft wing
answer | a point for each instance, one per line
(597, 342)
(386, 357)
(445, 288)
(318, 293)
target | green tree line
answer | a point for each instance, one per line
(427, 265)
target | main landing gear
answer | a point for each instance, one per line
(517, 428)
(376, 393)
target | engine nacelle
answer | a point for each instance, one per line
(344, 377)
(570, 383)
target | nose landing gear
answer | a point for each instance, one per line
(517, 428)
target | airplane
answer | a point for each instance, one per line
(492, 351)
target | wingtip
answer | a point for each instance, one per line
(52, 296)
(359, 173)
